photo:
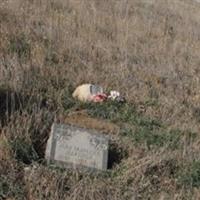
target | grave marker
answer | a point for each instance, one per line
(70, 146)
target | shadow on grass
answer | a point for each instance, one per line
(115, 155)
(10, 102)
(31, 147)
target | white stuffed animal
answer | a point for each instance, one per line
(86, 92)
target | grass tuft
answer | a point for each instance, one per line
(20, 46)
(190, 175)
(24, 151)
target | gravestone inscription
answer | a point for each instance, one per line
(70, 146)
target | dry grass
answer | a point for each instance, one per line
(148, 50)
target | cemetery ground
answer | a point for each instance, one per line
(148, 50)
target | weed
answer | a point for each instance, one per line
(20, 46)
(66, 100)
(24, 150)
(52, 58)
(189, 176)
(10, 188)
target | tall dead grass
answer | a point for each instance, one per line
(148, 50)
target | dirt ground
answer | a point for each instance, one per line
(82, 119)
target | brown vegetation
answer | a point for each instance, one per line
(148, 50)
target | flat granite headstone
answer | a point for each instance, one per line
(70, 146)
